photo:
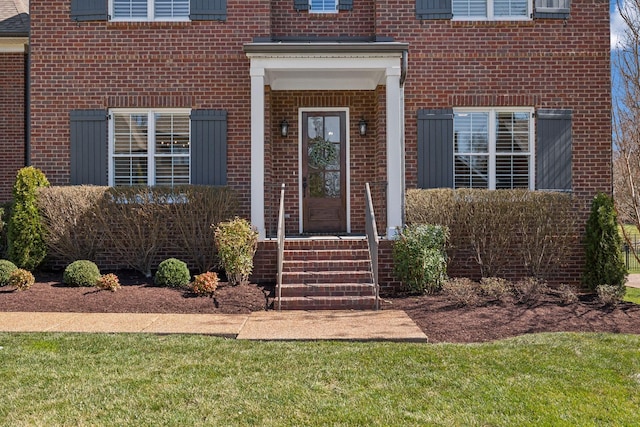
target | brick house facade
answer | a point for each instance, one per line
(14, 42)
(514, 94)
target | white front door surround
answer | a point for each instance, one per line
(329, 66)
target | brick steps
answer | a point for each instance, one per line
(327, 274)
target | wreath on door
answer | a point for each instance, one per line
(322, 152)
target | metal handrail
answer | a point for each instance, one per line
(372, 240)
(280, 247)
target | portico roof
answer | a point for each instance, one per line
(322, 65)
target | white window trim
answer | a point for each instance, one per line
(151, 131)
(491, 17)
(150, 15)
(335, 10)
(492, 139)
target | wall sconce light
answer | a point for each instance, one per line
(284, 127)
(362, 125)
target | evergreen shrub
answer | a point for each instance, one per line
(604, 264)
(6, 268)
(27, 248)
(205, 284)
(81, 273)
(420, 259)
(172, 273)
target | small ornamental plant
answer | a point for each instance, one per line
(81, 273)
(6, 268)
(108, 282)
(237, 242)
(205, 284)
(173, 273)
(21, 279)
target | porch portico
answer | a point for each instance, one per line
(332, 66)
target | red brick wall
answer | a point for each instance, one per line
(12, 123)
(94, 65)
(286, 21)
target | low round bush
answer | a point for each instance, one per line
(173, 273)
(81, 273)
(21, 279)
(6, 268)
(109, 282)
(205, 284)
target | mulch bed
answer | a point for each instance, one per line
(437, 316)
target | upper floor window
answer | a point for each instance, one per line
(323, 6)
(491, 9)
(150, 10)
(493, 148)
(149, 147)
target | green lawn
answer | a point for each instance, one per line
(543, 379)
(632, 295)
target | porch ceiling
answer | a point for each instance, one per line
(325, 66)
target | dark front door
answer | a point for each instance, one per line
(323, 172)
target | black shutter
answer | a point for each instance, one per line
(89, 10)
(89, 147)
(301, 5)
(434, 9)
(551, 9)
(345, 5)
(208, 10)
(208, 147)
(553, 152)
(435, 148)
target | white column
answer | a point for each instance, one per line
(257, 150)
(395, 153)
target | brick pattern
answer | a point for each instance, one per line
(328, 274)
(12, 120)
(286, 21)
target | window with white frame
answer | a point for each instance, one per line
(323, 6)
(149, 10)
(149, 147)
(493, 148)
(491, 9)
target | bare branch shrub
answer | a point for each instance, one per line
(495, 288)
(462, 291)
(69, 218)
(547, 224)
(203, 207)
(503, 228)
(134, 221)
(529, 290)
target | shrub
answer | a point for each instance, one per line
(21, 279)
(237, 242)
(610, 295)
(462, 291)
(6, 268)
(604, 264)
(205, 284)
(69, 218)
(27, 248)
(108, 282)
(81, 273)
(173, 273)
(5, 214)
(568, 294)
(495, 288)
(419, 257)
(529, 290)
(493, 226)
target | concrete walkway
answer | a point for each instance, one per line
(633, 281)
(387, 325)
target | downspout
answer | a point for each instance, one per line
(27, 106)
(403, 77)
